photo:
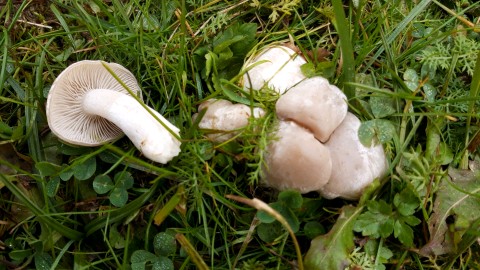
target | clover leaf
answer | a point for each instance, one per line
(164, 245)
(122, 181)
(287, 205)
(102, 184)
(376, 130)
(381, 220)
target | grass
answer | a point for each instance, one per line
(407, 66)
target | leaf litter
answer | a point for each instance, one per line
(456, 209)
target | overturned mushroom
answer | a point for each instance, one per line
(357, 164)
(296, 160)
(315, 104)
(87, 106)
(224, 119)
(277, 67)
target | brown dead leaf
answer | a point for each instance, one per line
(456, 207)
(10, 159)
(8, 156)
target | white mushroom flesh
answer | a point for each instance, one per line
(296, 160)
(224, 119)
(146, 133)
(278, 67)
(316, 105)
(357, 165)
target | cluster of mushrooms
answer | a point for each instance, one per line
(315, 146)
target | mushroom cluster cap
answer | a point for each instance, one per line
(224, 119)
(359, 164)
(316, 145)
(296, 160)
(277, 67)
(315, 104)
(88, 106)
(316, 108)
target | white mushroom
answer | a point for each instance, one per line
(225, 119)
(277, 67)
(356, 165)
(316, 146)
(296, 160)
(87, 106)
(314, 104)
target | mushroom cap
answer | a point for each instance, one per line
(296, 160)
(65, 115)
(357, 164)
(314, 104)
(225, 117)
(280, 70)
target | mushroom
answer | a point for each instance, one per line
(357, 164)
(296, 160)
(87, 106)
(277, 67)
(225, 118)
(315, 132)
(315, 104)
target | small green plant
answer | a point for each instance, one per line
(381, 219)
(457, 52)
(9, 133)
(253, 264)
(414, 82)
(278, 8)
(215, 24)
(223, 58)
(83, 168)
(255, 141)
(294, 208)
(371, 256)
(380, 106)
(164, 245)
(23, 249)
(116, 189)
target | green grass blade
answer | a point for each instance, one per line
(60, 255)
(62, 22)
(51, 222)
(343, 29)
(120, 213)
(17, 15)
(3, 72)
(399, 29)
(474, 90)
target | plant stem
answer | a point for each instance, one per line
(261, 206)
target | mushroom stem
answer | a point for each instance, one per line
(150, 136)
